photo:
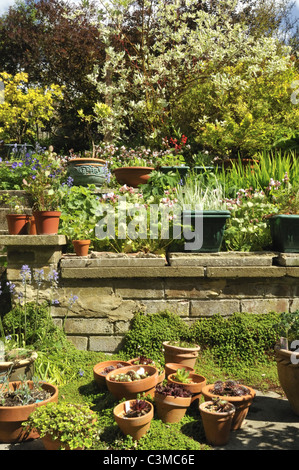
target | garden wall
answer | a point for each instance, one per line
(112, 288)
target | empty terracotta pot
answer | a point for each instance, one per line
(81, 247)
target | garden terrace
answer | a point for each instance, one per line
(111, 288)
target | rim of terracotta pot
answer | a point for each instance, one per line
(197, 378)
(129, 389)
(206, 391)
(287, 355)
(19, 362)
(172, 367)
(143, 168)
(180, 348)
(137, 421)
(99, 368)
(180, 402)
(202, 407)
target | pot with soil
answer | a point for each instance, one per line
(172, 402)
(217, 416)
(101, 369)
(131, 381)
(134, 417)
(143, 360)
(240, 396)
(18, 363)
(17, 400)
(191, 381)
(180, 353)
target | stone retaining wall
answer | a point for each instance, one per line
(112, 288)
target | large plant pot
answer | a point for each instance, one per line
(182, 356)
(133, 175)
(217, 426)
(47, 222)
(17, 224)
(134, 427)
(99, 375)
(18, 368)
(81, 247)
(241, 404)
(12, 417)
(85, 171)
(198, 382)
(130, 390)
(284, 230)
(213, 226)
(136, 361)
(171, 409)
(288, 375)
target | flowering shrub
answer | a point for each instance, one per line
(247, 228)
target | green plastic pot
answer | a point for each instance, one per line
(213, 229)
(284, 230)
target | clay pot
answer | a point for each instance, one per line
(178, 355)
(195, 388)
(161, 376)
(98, 369)
(133, 175)
(17, 224)
(47, 222)
(81, 247)
(12, 417)
(288, 374)
(19, 368)
(171, 409)
(31, 225)
(171, 368)
(217, 426)
(130, 390)
(241, 404)
(135, 427)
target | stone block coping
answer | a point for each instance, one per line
(32, 240)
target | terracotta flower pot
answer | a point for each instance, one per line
(161, 376)
(130, 390)
(81, 247)
(17, 224)
(178, 355)
(12, 417)
(100, 376)
(288, 375)
(172, 367)
(32, 225)
(171, 409)
(19, 368)
(241, 403)
(198, 382)
(47, 222)
(217, 426)
(133, 175)
(135, 427)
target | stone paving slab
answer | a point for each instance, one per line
(269, 425)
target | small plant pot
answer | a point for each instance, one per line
(198, 382)
(12, 417)
(179, 355)
(171, 368)
(134, 427)
(130, 390)
(47, 222)
(217, 426)
(19, 367)
(81, 247)
(241, 403)
(99, 375)
(17, 224)
(171, 409)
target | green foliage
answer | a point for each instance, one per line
(288, 326)
(74, 425)
(182, 375)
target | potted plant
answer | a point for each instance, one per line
(190, 380)
(143, 360)
(217, 416)
(180, 352)
(87, 169)
(64, 426)
(18, 399)
(287, 357)
(172, 367)
(171, 402)
(134, 417)
(204, 213)
(131, 381)
(173, 160)
(101, 369)
(17, 219)
(239, 395)
(132, 167)
(17, 362)
(46, 192)
(79, 229)
(284, 226)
